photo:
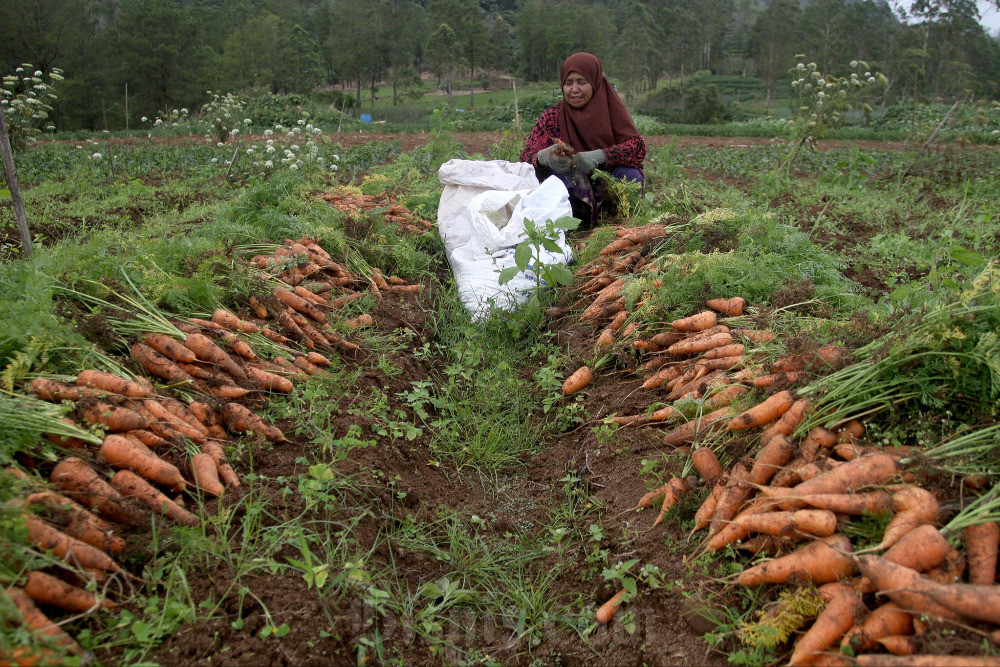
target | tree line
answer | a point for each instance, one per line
(168, 53)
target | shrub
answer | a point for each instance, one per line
(27, 99)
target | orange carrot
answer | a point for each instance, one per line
(334, 339)
(732, 307)
(981, 542)
(305, 365)
(239, 419)
(697, 322)
(342, 301)
(899, 644)
(165, 417)
(577, 381)
(703, 516)
(732, 497)
(816, 523)
(754, 335)
(789, 421)
(76, 521)
(696, 427)
(240, 347)
(724, 397)
(733, 350)
(298, 303)
(317, 359)
(67, 441)
(887, 620)
(696, 345)
(270, 380)
(855, 504)
(111, 417)
(616, 246)
(131, 485)
(976, 601)
(35, 619)
(675, 488)
(363, 320)
(777, 451)
(54, 391)
(406, 289)
(661, 376)
(206, 324)
(156, 364)
(258, 308)
(81, 483)
(762, 413)
(226, 473)
(70, 549)
(608, 609)
(206, 350)
(906, 587)
(126, 454)
(922, 549)
(818, 438)
(826, 560)
(914, 507)
(665, 339)
(829, 627)
(206, 474)
(46, 589)
(228, 391)
(925, 660)
(114, 384)
(764, 381)
(865, 471)
(706, 463)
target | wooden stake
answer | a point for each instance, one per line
(15, 189)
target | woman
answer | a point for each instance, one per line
(592, 120)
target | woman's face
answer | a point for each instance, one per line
(577, 91)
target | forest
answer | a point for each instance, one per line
(153, 56)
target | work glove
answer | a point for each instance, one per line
(552, 158)
(587, 161)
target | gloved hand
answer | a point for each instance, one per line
(552, 158)
(586, 161)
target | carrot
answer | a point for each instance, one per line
(724, 396)
(308, 294)
(732, 497)
(696, 427)
(850, 431)
(696, 345)
(258, 308)
(703, 516)
(123, 453)
(914, 507)
(239, 419)
(865, 471)
(981, 542)
(111, 383)
(607, 610)
(69, 549)
(764, 381)
(816, 523)
(665, 339)
(922, 549)
(206, 474)
(788, 422)
(582, 377)
(270, 380)
(755, 335)
(661, 376)
(226, 473)
(406, 289)
(899, 644)
(133, 486)
(777, 451)
(732, 307)
(733, 350)
(823, 561)
(702, 380)
(334, 339)
(76, 521)
(762, 413)
(206, 350)
(829, 627)
(675, 488)
(706, 463)
(342, 301)
(616, 246)
(228, 391)
(156, 364)
(35, 619)
(887, 620)
(240, 347)
(305, 365)
(706, 319)
(317, 359)
(206, 324)
(854, 504)
(67, 441)
(111, 417)
(81, 483)
(164, 417)
(298, 303)
(54, 391)
(906, 587)
(46, 589)
(818, 438)
(925, 660)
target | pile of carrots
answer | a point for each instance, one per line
(405, 220)
(794, 498)
(158, 453)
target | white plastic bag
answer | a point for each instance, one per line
(481, 220)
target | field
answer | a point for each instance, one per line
(431, 495)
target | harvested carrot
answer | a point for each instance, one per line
(855, 504)
(156, 364)
(206, 474)
(703, 516)
(240, 347)
(950, 570)
(735, 492)
(298, 303)
(35, 619)
(76, 521)
(342, 301)
(258, 308)
(67, 441)
(164, 417)
(135, 487)
(702, 344)
(241, 420)
(816, 523)
(54, 391)
(906, 587)
(706, 463)
(270, 380)
(675, 488)
(317, 359)
(607, 610)
(697, 322)
(899, 644)
(111, 383)
(755, 335)
(126, 454)
(788, 422)
(826, 560)
(363, 320)
(981, 542)
(724, 396)
(733, 350)
(111, 417)
(762, 413)
(732, 307)
(228, 391)
(764, 381)
(406, 289)
(924, 660)
(81, 483)
(582, 377)
(695, 428)
(206, 350)
(850, 431)
(45, 589)
(887, 620)
(206, 324)
(661, 376)
(922, 549)
(226, 473)
(616, 246)
(306, 366)
(70, 549)
(817, 439)
(334, 339)
(665, 339)
(914, 507)
(829, 627)
(865, 471)
(777, 451)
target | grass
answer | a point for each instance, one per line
(462, 582)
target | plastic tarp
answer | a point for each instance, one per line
(481, 220)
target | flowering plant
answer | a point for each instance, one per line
(26, 98)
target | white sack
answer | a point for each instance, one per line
(481, 218)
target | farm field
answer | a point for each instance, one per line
(418, 488)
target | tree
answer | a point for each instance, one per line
(773, 42)
(443, 54)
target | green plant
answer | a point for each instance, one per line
(26, 98)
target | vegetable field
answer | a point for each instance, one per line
(245, 417)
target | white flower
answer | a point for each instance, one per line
(96, 156)
(270, 149)
(214, 160)
(293, 167)
(38, 72)
(246, 121)
(144, 119)
(278, 127)
(295, 147)
(250, 151)
(220, 144)
(269, 164)
(300, 121)
(337, 158)
(234, 131)
(268, 133)
(334, 167)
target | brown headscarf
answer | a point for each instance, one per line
(604, 121)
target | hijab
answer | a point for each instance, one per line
(604, 121)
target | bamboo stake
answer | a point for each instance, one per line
(15, 189)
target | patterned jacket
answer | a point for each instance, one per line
(629, 153)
